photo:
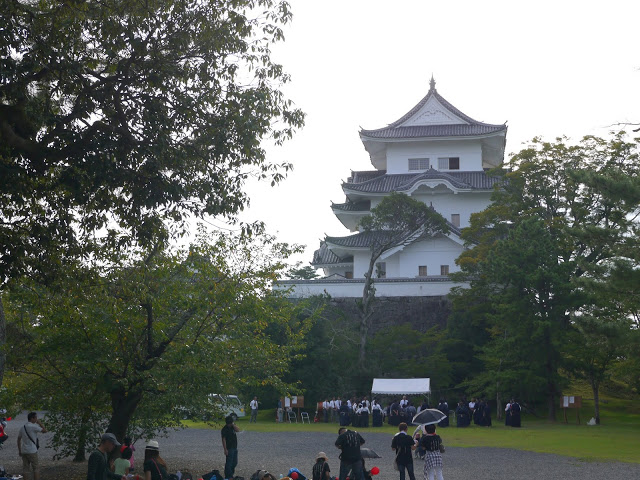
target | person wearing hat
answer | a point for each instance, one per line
(98, 465)
(321, 470)
(155, 468)
(230, 446)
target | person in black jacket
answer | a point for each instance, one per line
(351, 458)
(98, 465)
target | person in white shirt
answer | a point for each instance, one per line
(404, 402)
(28, 446)
(253, 405)
(325, 410)
(332, 409)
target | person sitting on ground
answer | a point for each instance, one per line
(122, 464)
(321, 470)
(155, 468)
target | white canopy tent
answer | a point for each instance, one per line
(401, 386)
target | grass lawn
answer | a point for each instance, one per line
(616, 439)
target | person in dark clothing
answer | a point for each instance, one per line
(154, 467)
(462, 415)
(349, 443)
(403, 444)
(507, 414)
(486, 415)
(515, 414)
(321, 470)
(443, 406)
(98, 464)
(230, 446)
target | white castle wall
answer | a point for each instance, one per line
(398, 154)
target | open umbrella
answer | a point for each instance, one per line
(429, 416)
(368, 453)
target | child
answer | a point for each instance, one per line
(434, 448)
(122, 464)
(321, 470)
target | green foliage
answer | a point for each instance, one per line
(545, 257)
(139, 341)
(132, 116)
(400, 351)
(404, 216)
(303, 273)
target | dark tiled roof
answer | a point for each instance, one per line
(404, 181)
(363, 206)
(365, 175)
(324, 256)
(394, 130)
(421, 131)
(361, 239)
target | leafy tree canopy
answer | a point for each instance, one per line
(562, 227)
(144, 341)
(132, 116)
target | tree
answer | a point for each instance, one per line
(562, 216)
(120, 120)
(396, 221)
(143, 341)
(132, 116)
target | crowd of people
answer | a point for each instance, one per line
(112, 460)
(402, 410)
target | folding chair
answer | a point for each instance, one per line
(305, 416)
(292, 415)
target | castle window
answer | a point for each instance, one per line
(381, 269)
(348, 274)
(444, 269)
(422, 271)
(455, 219)
(418, 164)
(449, 163)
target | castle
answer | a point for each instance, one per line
(434, 153)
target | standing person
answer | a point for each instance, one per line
(325, 411)
(321, 470)
(280, 417)
(28, 445)
(507, 414)
(253, 405)
(230, 446)
(443, 406)
(98, 464)
(403, 444)
(350, 458)
(155, 468)
(434, 448)
(515, 413)
(332, 409)
(129, 444)
(404, 402)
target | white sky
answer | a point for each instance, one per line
(548, 68)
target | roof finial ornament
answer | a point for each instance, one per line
(432, 83)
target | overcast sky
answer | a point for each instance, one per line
(547, 68)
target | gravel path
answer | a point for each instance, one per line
(201, 451)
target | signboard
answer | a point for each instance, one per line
(571, 401)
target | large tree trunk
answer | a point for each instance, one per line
(3, 341)
(82, 437)
(498, 402)
(123, 406)
(595, 386)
